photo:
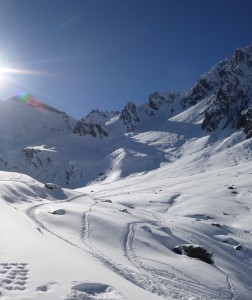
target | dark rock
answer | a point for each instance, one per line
(52, 186)
(217, 112)
(238, 247)
(85, 127)
(231, 187)
(178, 250)
(197, 93)
(97, 116)
(239, 56)
(58, 212)
(156, 100)
(203, 217)
(195, 251)
(207, 84)
(216, 224)
(245, 122)
(230, 104)
(32, 156)
(147, 229)
(130, 117)
(107, 201)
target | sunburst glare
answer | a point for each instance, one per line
(14, 77)
(1, 75)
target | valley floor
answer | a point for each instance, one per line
(116, 240)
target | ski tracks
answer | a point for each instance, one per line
(165, 283)
(208, 243)
(129, 274)
(30, 212)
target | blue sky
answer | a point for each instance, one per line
(85, 54)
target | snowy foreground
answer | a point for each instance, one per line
(116, 240)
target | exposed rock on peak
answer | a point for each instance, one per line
(245, 122)
(207, 84)
(100, 117)
(86, 127)
(234, 94)
(130, 117)
(157, 100)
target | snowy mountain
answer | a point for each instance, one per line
(51, 146)
(160, 199)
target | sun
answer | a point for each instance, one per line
(1, 75)
(7, 74)
(13, 77)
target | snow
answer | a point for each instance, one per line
(134, 197)
(115, 240)
(36, 263)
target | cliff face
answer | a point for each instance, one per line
(84, 127)
(230, 103)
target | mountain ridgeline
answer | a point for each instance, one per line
(51, 146)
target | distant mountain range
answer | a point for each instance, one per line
(51, 146)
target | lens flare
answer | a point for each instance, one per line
(29, 100)
(24, 72)
(2, 80)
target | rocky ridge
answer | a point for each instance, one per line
(50, 145)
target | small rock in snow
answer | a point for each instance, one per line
(58, 212)
(52, 186)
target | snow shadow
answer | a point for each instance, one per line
(93, 291)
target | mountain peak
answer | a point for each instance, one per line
(232, 94)
(159, 131)
(32, 101)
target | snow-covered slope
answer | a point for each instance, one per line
(162, 205)
(116, 240)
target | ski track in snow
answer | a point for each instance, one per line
(129, 274)
(165, 283)
(203, 240)
(31, 214)
(132, 275)
(208, 243)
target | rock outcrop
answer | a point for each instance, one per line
(195, 251)
(84, 127)
(231, 104)
(129, 117)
